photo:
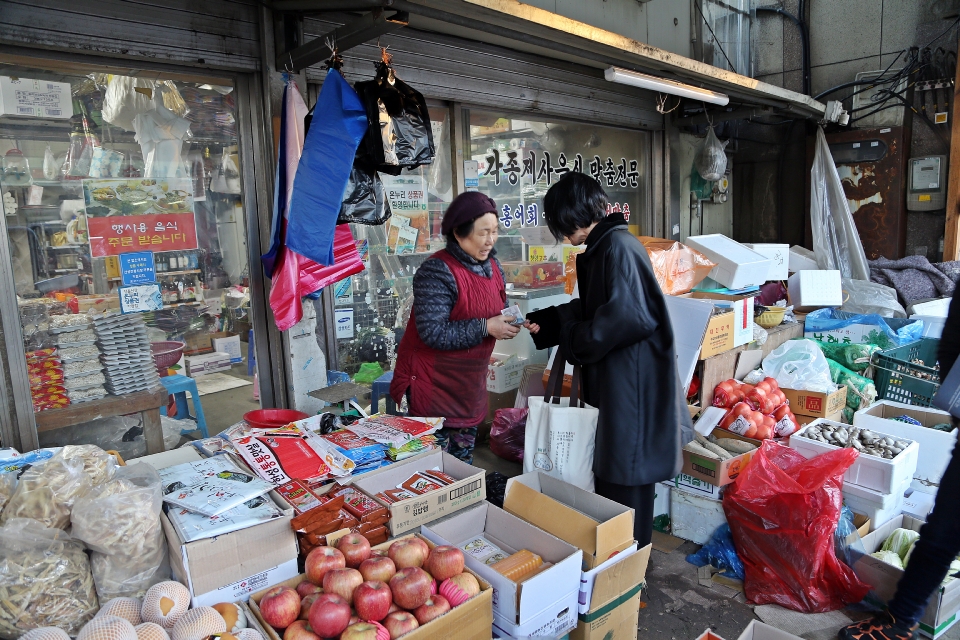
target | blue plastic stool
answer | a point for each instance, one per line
(381, 387)
(251, 354)
(178, 386)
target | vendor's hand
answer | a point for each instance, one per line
(501, 329)
(532, 327)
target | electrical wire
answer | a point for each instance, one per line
(696, 3)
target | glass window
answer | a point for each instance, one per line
(377, 301)
(518, 160)
(98, 167)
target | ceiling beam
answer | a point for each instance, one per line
(329, 5)
(364, 29)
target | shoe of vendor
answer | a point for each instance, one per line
(882, 627)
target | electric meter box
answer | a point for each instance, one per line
(927, 184)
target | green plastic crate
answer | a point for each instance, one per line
(898, 379)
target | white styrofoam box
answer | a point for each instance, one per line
(694, 517)
(815, 289)
(879, 507)
(737, 266)
(35, 98)
(936, 446)
(802, 259)
(932, 325)
(661, 500)
(878, 474)
(939, 307)
(779, 256)
(918, 504)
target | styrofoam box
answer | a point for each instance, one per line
(779, 256)
(802, 259)
(737, 266)
(881, 508)
(694, 517)
(938, 307)
(878, 474)
(932, 325)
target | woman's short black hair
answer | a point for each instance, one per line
(575, 202)
(461, 231)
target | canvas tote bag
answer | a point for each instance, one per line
(561, 432)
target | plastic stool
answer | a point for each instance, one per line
(381, 387)
(178, 386)
(251, 354)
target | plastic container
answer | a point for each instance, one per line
(737, 266)
(897, 378)
(880, 507)
(272, 418)
(870, 472)
(166, 354)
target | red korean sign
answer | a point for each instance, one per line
(113, 235)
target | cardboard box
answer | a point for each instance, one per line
(712, 471)
(614, 606)
(742, 307)
(862, 523)
(229, 567)
(935, 446)
(406, 515)
(628, 567)
(505, 377)
(809, 290)
(859, 333)
(472, 620)
(779, 257)
(871, 472)
(544, 604)
(597, 526)
(207, 363)
(229, 344)
(98, 303)
(816, 403)
(757, 630)
(35, 98)
(737, 266)
(719, 335)
(693, 485)
(941, 612)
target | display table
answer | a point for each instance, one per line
(146, 403)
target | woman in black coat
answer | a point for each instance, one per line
(619, 332)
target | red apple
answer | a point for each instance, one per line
(399, 623)
(374, 553)
(365, 631)
(372, 601)
(394, 607)
(408, 553)
(329, 615)
(321, 560)
(378, 568)
(306, 603)
(444, 562)
(459, 588)
(410, 587)
(354, 619)
(342, 582)
(435, 607)
(280, 606)
(300, 630)
(355, 548)
(306, 587)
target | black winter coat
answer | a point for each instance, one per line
(619, 332)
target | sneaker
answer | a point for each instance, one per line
(881, 627)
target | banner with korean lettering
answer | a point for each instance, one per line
(155, 232)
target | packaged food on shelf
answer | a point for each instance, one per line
(534, 275)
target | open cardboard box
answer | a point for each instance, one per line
(229, 567)
(596, 525)
(406, 515)
(740, 331)
(472, 620)
(941, 611)
(543, 604)
(757, 630)
(816, 403)
(710, 470)
(612, 608)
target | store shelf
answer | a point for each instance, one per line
(164, 274)
(174, 305)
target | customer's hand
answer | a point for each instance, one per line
(501, 329)
(532, 327)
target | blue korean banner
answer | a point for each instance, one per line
(137, 268)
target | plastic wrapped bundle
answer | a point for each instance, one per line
(855, 357)
(46, 493)
(677, 267)
(861, 391)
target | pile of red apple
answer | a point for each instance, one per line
(355, 593)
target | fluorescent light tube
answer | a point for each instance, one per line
(642, 80)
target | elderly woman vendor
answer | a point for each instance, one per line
(458, 294)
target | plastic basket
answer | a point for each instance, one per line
(898, 379)
(166, 354)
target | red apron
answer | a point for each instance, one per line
(451, 384)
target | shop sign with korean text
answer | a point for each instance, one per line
(133, 215)
(516, 166)
(407, 194)
(137, 268)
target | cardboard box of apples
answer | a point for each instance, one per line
(352, 591)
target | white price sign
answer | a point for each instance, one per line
(140, 298)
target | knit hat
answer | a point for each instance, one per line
(466, 207)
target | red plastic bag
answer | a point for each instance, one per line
(507, 433)
(783, 511)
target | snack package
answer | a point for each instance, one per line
(226, 490)
(192, 526)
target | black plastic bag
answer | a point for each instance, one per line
(364, 199)
(399, 135)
